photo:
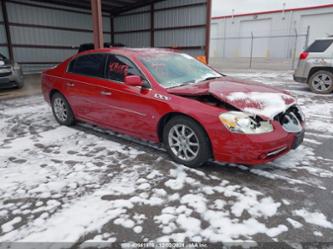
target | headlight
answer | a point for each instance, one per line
(241, 122)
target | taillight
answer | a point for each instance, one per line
(303, 55)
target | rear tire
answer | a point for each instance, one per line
(186, 142)
(321, 82)
(61, 110)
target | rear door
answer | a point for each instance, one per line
(84, 86)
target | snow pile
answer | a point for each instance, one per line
(85, 215)
(294, 223)
(225, 219)
(179, 181)
(315, 218)
(9, 226)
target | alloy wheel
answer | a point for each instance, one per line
(183, 142)
(60, 109)
(322, 82)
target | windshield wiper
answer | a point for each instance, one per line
(184, 84)
(193, 81)
(212, 78)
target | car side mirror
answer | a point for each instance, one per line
(133, 80)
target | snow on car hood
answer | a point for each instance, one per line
(246, 96)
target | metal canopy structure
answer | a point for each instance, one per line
(40, 34)
(114, 7)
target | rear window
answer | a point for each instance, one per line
(89, 65)
(319, 46)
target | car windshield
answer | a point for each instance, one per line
(172, 69)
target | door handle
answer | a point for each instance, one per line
(69, 84)
(106, 93)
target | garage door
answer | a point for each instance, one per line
(259, 28)
(320, 25)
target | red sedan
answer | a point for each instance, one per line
(171, 98)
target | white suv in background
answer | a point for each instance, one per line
(315, 66)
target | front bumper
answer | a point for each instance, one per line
(11, 78)
(255, 149)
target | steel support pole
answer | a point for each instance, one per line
(295, 51)
(112, 29)
(7, 30)
(251, 51)
(208, 24)
(307, 37)
(152, 25)
(96, 10)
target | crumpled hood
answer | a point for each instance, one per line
(246, 95)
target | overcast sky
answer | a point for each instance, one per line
(224, 7)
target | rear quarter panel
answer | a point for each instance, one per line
(316, 60)
(52, 79)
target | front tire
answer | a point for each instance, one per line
(186, 142)
(61, 110)
(321, 82)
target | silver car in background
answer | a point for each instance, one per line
(315, 66)
(10, 74)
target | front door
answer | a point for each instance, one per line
(134, 109)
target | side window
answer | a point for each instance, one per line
(319, 46)
(119, 67)
(90, 65)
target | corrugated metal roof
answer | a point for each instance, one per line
(114, 7)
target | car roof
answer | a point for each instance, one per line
(324, 38)
(130, 51)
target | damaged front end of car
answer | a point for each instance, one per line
(245, 123)
(293, 121)
(257, 123)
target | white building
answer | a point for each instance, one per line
(272, 34)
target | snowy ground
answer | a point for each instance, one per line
(80, 184)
